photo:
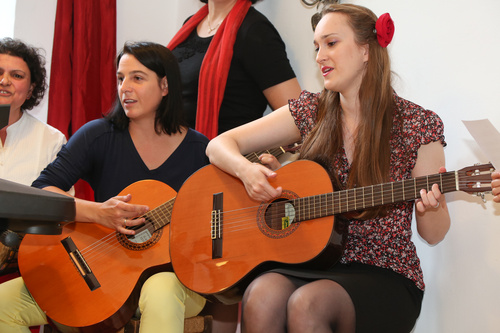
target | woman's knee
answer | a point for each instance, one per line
(165, 291)
(159, 287)
(267, 296)
(267, 286)
(162, 282)
(321, 305)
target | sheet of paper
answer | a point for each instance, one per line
(487, 137)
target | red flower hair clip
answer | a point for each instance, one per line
(384, 28)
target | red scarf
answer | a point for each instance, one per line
(215, 65)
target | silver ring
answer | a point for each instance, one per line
(125, 223)
(436, 205)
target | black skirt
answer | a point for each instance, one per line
(384, 301)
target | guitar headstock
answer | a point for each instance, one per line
(475, 179)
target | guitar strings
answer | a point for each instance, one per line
(110, 243)
(244, 218)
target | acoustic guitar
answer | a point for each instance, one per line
(90, 276)
(220, 239)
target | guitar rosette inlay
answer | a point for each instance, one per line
(276, 219)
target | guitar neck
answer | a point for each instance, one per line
(371, 196)
(160, 216)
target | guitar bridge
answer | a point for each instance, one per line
(216, 226)
(80, 263)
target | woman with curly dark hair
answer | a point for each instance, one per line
(28, 144)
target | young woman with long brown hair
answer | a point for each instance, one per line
(364, 134)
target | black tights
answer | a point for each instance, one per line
(278, 303)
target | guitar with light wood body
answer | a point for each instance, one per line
(90, 276)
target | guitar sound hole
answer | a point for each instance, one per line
(280, 214)
(277, 219)
(145, 237)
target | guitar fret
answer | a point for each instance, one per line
(363, 197)
(381, 193)
(325, 198)
(332, 204)
(373, 196)
(309, 210)
(317, 203)
(403, 189)
(303, 209)
(355, 201)
(335, 205)
(347, 201)
(320, 204)
(339, 203)
(353, 192)
(298, 209)
(315, 213)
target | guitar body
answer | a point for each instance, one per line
(119, 265)
(247, 243)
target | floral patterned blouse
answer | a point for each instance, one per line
(383, 241)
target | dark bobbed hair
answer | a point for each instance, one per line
(253, 1)
(169, 117)
(36, 65)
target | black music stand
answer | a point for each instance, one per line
(31, 210)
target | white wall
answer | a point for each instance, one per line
(35, 25)
(7, 18)
(445, 55)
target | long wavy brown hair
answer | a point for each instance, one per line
(371, 158)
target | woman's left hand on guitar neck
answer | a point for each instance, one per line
(432, 199)
(270, 161)
(432, 216)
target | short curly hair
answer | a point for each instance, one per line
(36, 65)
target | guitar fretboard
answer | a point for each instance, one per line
(371, 196)
(160, 216)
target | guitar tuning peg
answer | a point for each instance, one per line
(482, 195)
